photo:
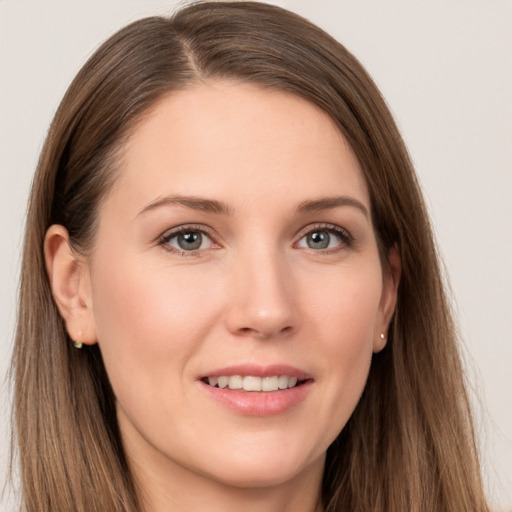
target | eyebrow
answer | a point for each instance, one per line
(194, 202)
(217, 207)
(326, 203)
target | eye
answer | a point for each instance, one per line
(186, 239)
(324, 238)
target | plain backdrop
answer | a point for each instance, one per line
(445, 67)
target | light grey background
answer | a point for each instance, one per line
(445, 68)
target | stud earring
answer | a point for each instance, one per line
(382, 337)
(77, 344)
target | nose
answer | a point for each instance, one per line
(262, 302)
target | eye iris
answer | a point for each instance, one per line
(318, 240)
(190, 240)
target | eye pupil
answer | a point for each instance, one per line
(318, 240)
(190, 240)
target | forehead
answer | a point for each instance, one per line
(238, 141)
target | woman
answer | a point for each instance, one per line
(230, 293)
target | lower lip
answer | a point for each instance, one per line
(259, 403)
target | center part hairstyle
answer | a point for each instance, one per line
(409, 445)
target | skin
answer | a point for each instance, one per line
(256, 292)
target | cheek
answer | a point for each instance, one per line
(133, 296)
(343, 321)
(147, 318)
(346, 306)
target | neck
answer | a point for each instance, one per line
(183, 490)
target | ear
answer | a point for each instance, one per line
(70, 284)
(390, 282)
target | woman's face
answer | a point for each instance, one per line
(236, 249)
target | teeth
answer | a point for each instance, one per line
(235, 382)
(223, 382)
(252, 383)
(269, 383)
(282, 382)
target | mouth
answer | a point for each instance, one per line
(256, 390)
(254, 383)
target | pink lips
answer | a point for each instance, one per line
(259, 371)
(258, 403)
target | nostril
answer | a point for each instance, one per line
(265, 333)
(259, 318)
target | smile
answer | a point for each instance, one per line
(256, 390)
(253, 383)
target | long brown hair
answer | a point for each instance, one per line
(409, 445)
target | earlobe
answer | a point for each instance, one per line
(391, 280)
(70, 285)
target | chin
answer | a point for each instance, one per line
(262, 471)
(257, 478)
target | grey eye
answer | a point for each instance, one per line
(192, 240)
(189, 241)
(318, 240)
(321, 239)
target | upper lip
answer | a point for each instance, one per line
(258, 371)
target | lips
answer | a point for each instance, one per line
(257, 390)
(253, 382)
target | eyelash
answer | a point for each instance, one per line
(164, 240)
(346, 238)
